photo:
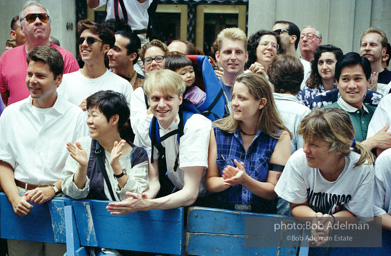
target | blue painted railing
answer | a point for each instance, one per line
(87, 223)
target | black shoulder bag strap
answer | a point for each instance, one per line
(116, 12)
(97, 169)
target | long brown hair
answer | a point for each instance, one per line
(269, 120)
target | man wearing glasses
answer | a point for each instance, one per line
(95, 41)
(289, 39)
(35, 22)
(310, 39)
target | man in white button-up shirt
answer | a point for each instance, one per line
(33, 140)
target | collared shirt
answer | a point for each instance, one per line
(33, 140)
(291, 112)
(192, 149)
(360, 117)
(13, 71)
(256, 163)
(326, 98)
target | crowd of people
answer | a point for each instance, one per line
(123, 123)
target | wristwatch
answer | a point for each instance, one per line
(56, 191)
(121, 174)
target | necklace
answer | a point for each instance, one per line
(248, 134)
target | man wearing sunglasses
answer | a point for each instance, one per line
(95, 41)
(35, 22)
(289, 38)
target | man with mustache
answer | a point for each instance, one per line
(373, 46)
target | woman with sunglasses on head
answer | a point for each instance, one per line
(248, 149)
(322, 73)
(262, 48)
(332, 175)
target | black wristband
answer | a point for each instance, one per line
(121, 174)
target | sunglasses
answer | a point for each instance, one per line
(30, 18)
(158, 59)
(90, 40)
(280, 31)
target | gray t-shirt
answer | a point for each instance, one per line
(353, 190)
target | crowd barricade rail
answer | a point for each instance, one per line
(213, 231)
(209, 231)
(155, 231)
(44, 223)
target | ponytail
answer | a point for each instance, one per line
(365, 154)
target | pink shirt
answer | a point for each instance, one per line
(13, 71)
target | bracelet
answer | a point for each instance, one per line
(121, 174)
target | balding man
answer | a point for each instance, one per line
(310, 39)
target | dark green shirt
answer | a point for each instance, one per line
(360, 119)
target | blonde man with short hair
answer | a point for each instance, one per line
(232, 55)
(180, 167)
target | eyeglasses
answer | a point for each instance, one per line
(90, 40)
(280, 31)
(30, 18)
(158, 59)
(309, 36)
(266, 44)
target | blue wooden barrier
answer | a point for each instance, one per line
(213, 231)
(44, 223)
(156, 231)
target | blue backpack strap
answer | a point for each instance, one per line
(185, 112)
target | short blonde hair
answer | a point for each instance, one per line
(168, 81)
(232, 34)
